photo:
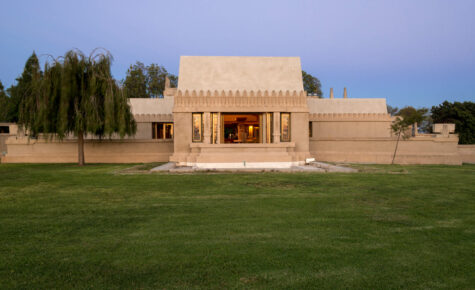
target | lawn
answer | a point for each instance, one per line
(106, 226)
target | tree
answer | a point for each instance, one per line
(392, 110)
(156, 80)
(312, 84)
(4, 104)
(25, 84)
(136, 81)
(147, 82)
(462, 114)
(77, 95)
(406, 117)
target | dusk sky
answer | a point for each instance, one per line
(412, 52)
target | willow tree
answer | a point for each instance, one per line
(78, 95)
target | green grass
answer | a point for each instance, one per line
(100, 226)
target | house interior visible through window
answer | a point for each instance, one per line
(4, 129)
(241, 128)
(162, 130)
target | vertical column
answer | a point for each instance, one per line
(263, 128)
(207, 128)
(276, 133)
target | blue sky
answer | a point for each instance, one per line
(412, 52)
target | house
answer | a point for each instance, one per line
(230, 112)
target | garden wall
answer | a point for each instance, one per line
(24, 150)
(467, 153)
(416, 150)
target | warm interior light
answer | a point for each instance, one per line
(251, 130)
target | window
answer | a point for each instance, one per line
(269, 128)
(214, 128)
(284, 127)
(4, 129)
(197, 127)
(162, 130)
(310, 129)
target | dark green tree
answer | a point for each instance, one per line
(392, 110)
(461, 114)
(25, 85)
(78, 95)
(136, 81)
(312, 84)
(147, 81)
(173, 80)
(406, 117)
(156, 80)
(4, 104)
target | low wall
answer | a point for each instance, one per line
(467, 153)
(418, 150)
(3, 146)
(24, 150)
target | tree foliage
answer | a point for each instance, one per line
(392, 110)
(77, 95)
(25, 86)
(461, 114)
(136, 81)
(147, 81)
(312, 84)
(406, 117)
(4, 104)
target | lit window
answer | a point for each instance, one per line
(214, 128)
(269, 128)
(197, 127)
(162, 130)
(285, 127)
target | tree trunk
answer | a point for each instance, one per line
(80, 148)
(397, 143)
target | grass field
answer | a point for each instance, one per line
(106, 226)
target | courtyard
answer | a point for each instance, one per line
(119, 226)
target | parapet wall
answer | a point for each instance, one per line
(24, 150)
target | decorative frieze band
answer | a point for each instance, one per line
(240, 99)
(350, 117)
(145, 118)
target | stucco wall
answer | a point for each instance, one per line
(418, 150)
(22, 150)
(467, 153)
(3, 147)
(356, 129)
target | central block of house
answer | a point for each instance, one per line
(240, 112)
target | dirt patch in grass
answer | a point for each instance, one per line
(143, 168)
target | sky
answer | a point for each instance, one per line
(411, 52)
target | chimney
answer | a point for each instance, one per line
(167, 82)
(345, 93)
(331, 93)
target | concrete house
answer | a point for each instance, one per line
(230, 112)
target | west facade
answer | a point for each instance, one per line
(230, 112)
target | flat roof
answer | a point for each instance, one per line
(140, 106)
(347, 106)
(240, 73)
